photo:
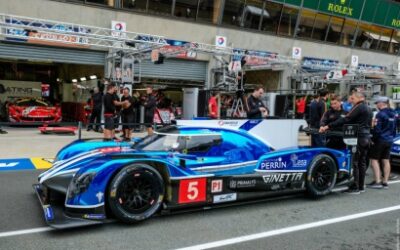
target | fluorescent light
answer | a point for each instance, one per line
(93, 77)
(74, 80)
(83, 79)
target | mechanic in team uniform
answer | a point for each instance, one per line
(361, 115)
(96, 103)
(127, 114)
(110, 102)
(150, 106)
(255, 107)
(383, 133)
(334, 113)
(317, 110)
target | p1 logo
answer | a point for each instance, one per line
(192, 190)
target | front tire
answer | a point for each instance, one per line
(136, 193)
(321, 176)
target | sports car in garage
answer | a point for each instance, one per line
(192, 165)
(33, 110)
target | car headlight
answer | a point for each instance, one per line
(79, 184)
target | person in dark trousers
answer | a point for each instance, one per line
(361, 115)
(110, 101)
(334, 113)
(317, 110)
(96, 103)
(118, 109)
(3, 115)
(150, 106)
(127, 114)
(136, 108)
(383, 133)
(255, 107)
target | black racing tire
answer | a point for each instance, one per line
(321, 176)
(135, 193)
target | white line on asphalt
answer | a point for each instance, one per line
(286, 230)
(26, 231)
(46, 229)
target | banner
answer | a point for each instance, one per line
(318, 63)
(32, 35)
(18, 89)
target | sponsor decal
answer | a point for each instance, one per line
(249, 183)
(396, 148)
(224, 198)
(340, 8)
(273, 164)
(296, 162)
(48, 213)
(192, 190)
(100, 196)
(220, 41)
(216, 186)
(94, 216)
(227, 123)
(282, 177)
(396, 23)
(8, 165)
(18, 90)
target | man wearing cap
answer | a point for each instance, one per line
(383, 133)
(361, 115)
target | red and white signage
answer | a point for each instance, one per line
(296, 53)
(216, 186)
(118, 29)
(220, 41)
(192, 190)
(336, 74)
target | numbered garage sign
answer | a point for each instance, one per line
(192, 190)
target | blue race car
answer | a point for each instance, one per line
(395, 153)
(195, 164)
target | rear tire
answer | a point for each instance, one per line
(136, 193)
(321, 176)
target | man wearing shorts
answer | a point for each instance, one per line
(383, 134)
(110, 102)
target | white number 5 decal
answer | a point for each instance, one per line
(193, 191)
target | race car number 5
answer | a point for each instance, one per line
(192, 190)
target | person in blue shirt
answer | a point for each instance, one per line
(383, 133)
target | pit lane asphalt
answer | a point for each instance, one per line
(20, 210)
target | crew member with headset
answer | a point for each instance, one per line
(361, 115)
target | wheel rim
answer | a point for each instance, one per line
(322, 176)
(138, 192)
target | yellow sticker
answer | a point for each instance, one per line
(41, 163)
